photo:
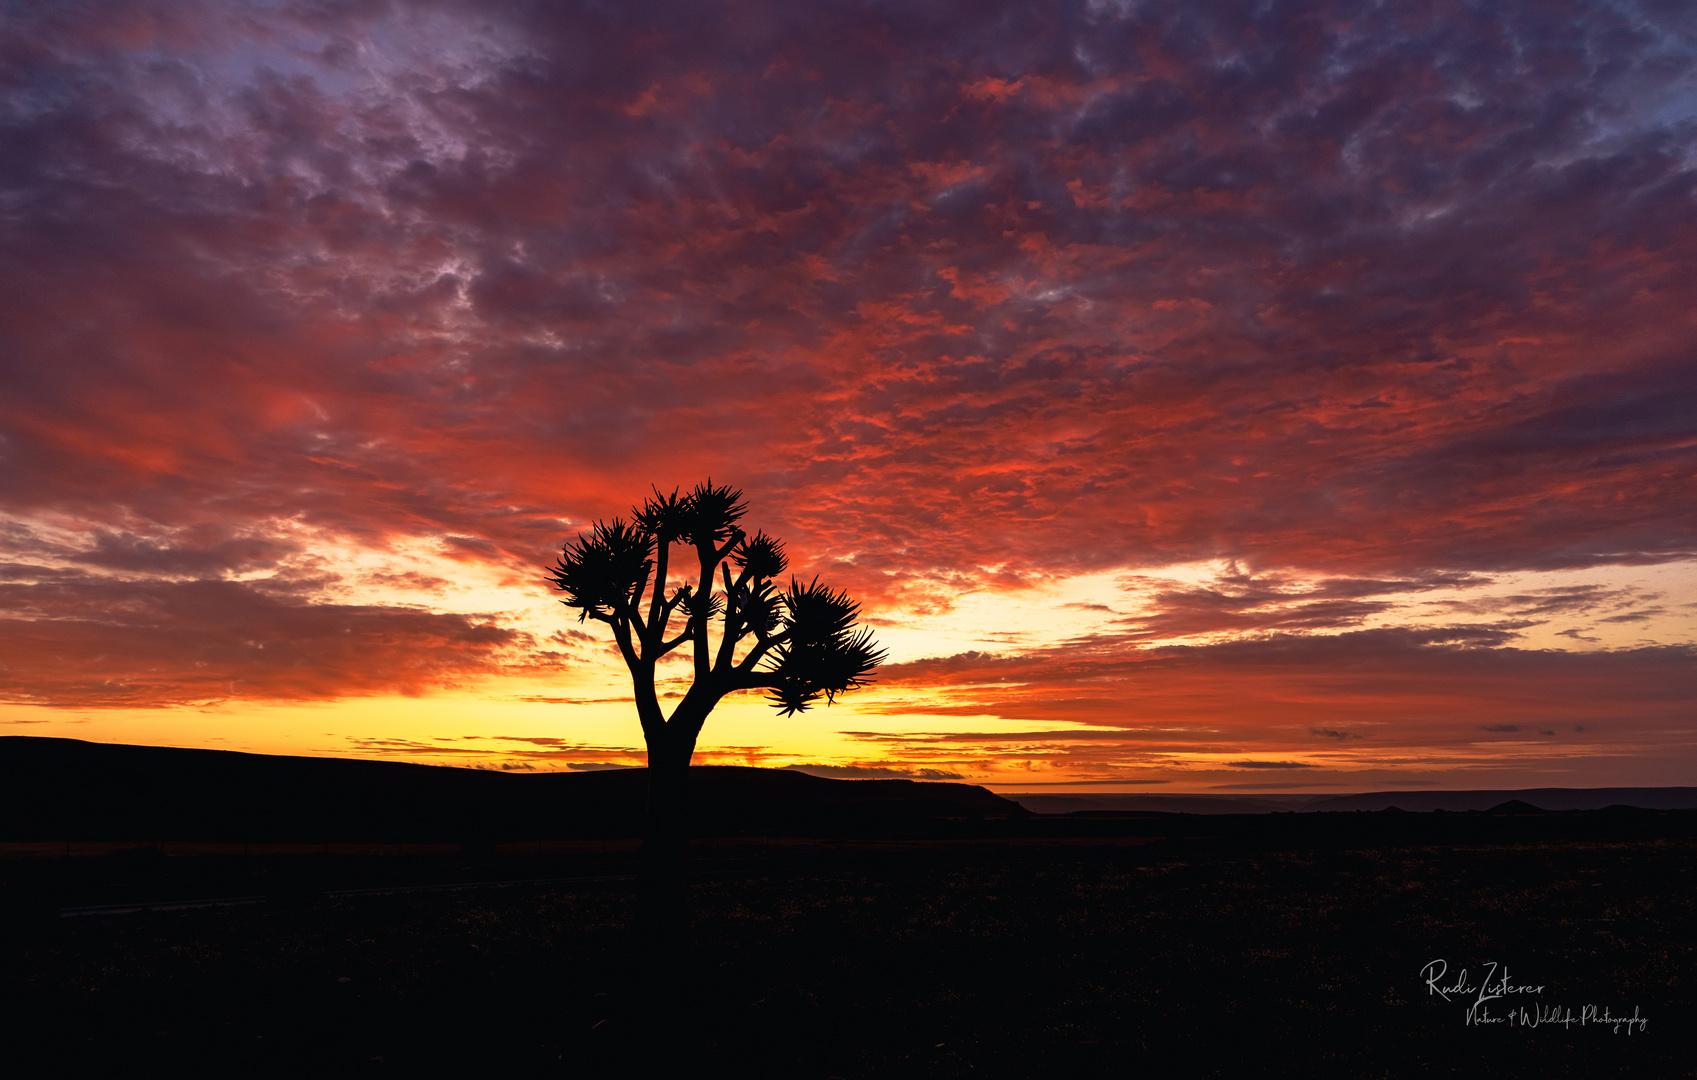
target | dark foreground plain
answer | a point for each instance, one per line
(1278, 945)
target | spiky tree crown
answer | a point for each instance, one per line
(805, 644)
(825, 652)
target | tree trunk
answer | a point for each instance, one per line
(663, 885)
(665, 847)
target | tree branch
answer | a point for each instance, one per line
(668, 646)
(621, 634)
(737, 537)
(703, 609)
(659, 613)
(761, 648)
(728, 640)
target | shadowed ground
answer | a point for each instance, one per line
(1272, 953)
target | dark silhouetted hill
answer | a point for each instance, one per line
(1516, 806)
(69, 789)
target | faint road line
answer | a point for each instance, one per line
(384, 890)
(157, 905)
(387, 890)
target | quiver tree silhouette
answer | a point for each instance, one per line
(799, 644)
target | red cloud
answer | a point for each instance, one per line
(1390, 688)
(963, 294)
(89, 641)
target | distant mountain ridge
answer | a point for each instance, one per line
(1656, 798)
(1554, 799)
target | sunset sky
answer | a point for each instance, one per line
(1216, 397)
